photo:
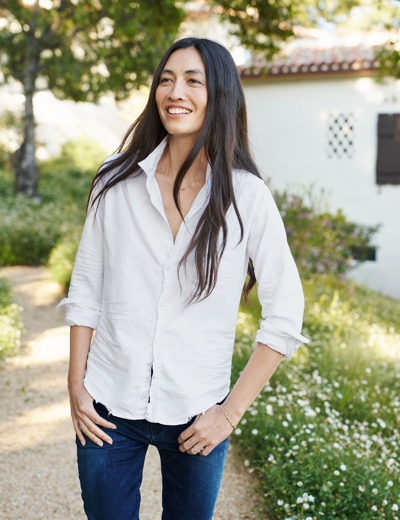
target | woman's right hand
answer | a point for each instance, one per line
(83, 412)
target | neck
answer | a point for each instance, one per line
(178, 149)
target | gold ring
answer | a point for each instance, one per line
(81, 426)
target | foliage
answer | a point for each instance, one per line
(389, 60)
(31, 229)
(370, 15)
(323, 436)
(321, 241)
(62, 257)
(11, 127)
(83, 49)
(262, 25)
(10, 322)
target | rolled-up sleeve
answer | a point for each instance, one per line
(84, 302)
(279, 287)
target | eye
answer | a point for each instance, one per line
(195, 81)
(164, 80)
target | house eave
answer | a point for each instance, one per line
(299, 76)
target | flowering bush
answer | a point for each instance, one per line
(321, 241)
(10, 322)
(323, 435)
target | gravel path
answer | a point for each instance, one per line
(38, 471)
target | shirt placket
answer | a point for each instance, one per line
(171, 254)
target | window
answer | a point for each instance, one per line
(388, 157)
(340, 135)
(364, 253)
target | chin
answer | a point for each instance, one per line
(171, 129)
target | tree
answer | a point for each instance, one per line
(81, 49)
(263, 25)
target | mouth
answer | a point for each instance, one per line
(178, 111)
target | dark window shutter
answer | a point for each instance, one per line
(388, 158)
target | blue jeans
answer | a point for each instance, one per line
(110, 475)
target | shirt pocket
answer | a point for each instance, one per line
(225, 269)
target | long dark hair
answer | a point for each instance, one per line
(224, 138)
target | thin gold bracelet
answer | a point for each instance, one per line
(227, 416)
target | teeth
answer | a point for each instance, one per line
(178, 111)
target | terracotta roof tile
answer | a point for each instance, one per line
(313, 60)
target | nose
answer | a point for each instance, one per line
(177, 92)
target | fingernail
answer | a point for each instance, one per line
(100, 443)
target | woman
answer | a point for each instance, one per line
(182, 215)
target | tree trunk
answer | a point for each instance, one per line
(24, 159)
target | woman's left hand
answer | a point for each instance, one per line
(206, 432)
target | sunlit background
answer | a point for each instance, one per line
(322, 85)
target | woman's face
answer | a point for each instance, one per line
(181, 95)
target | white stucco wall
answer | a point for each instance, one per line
(288, 132)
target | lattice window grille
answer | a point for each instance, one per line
(340, 135)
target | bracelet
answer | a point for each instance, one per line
(227, 416)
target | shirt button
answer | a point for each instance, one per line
(161, 304)
(167, 267)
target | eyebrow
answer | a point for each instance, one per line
(191, 71)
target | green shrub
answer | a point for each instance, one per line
(322, 241)
(10, 322)
(30, 228)
(323, 436)
(67, 178)
(62, 257)
(29, 231)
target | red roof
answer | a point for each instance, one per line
(303, 59)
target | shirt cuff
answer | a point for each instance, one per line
(284, 342)
(85, 313)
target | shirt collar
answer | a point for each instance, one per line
(149, 165)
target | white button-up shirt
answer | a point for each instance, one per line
(124, 284)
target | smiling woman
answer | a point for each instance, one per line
(181, 191)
